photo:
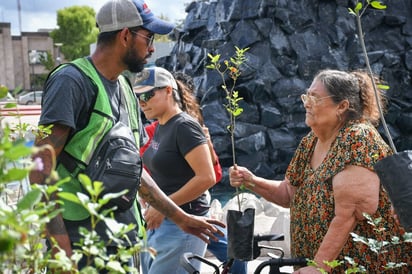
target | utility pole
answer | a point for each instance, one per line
(19, 14)
(58, 58)
(32, 61)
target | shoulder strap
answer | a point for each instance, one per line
(102, 99)
(132, 107)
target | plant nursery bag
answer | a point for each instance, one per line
(240, 230)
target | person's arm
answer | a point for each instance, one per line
(356, 191)
(204, 178)
(199, 160)
(199, 226)
(278, 192)
(56, 139)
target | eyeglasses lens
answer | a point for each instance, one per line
(147, 95)
(149, 39)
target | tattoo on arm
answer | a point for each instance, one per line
(152, 194)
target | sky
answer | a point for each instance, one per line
(41, 14)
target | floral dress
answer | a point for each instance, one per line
(312, 209)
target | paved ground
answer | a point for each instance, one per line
(22, 113)
(251, 266)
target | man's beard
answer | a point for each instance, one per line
(133, 63)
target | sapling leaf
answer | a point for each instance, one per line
(378, 5)
(383, 87)
(358, 7)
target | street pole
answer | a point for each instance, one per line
(58, 58)
(33, 61)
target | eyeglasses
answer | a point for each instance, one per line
(313, 100)
(149, 39)
(146, 96)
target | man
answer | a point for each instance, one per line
(125, 42)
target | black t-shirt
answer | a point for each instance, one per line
(68, 100)
(165, 157)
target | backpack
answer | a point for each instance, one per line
(116, 163)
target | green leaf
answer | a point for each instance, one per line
(17, 151)
(378, 5)
(358, 7)
(10, 105)
(383, 87)
(115, 266)
(15, 174)
(69, 197)
(237, 112)
(3, 91)
(214, 58)
(333, 264)
(6, 245)
(109, 196)
(29, 200)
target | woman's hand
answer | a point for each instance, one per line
(239, 176)
(153, 218)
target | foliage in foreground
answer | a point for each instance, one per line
(25, 210)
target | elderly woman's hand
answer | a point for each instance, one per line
(239, 176)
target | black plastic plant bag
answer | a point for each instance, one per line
(240, 229)
(395, 174)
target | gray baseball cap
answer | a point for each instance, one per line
(154, 77)
(119, 14)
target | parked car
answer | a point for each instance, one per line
(30, 98)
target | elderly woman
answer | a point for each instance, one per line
(330, 182)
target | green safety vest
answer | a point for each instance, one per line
(83, 143)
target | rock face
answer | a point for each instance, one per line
(289, 42)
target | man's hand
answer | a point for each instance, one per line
(202, 227)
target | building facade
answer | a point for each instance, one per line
(21, 57)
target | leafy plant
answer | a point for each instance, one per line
(232, 69)
(379, 245)
(26, 210)
(91, 245)
(335, 263)
(358, 11)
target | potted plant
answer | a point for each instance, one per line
(240, 223)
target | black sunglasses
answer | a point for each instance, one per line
(146, 96)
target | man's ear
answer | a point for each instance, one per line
(124, 35)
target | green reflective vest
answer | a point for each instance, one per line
(83, 143)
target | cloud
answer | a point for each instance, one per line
(41, 14)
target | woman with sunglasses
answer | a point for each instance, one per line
(179, 160)
(330, 182)
(186, 86)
